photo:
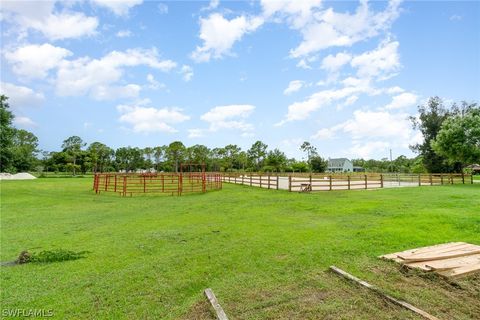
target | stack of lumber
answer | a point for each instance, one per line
(451, 260)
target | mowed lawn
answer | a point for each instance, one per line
(265, 253)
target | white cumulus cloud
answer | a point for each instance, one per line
(334, 62)
(20, 96)
(149, 119)
(100, 78)
(187, 72)
(24, 122)
(42, 17)
(123, 34)
(227, 117)
(381, 62)
(402, 100)
(220, 34)
(333, 29)
(118, 7)
(34, 61)
(293, 86)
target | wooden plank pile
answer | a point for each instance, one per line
(451, 260)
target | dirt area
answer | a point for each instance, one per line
(16, 176)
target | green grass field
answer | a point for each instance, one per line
(265, 253)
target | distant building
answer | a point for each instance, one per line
(475, 168)
(340, 165)
(358, 169)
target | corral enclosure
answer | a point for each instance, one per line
(304, 182)
(157, 183)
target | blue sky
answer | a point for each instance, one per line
(343, 75)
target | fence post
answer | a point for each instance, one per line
(366, 183)
(419, 180)
(348, 179)
(106, 182)
(124, 186)
(290, 183)
(115, 180)
(463, 178)
(330, 182)
(144, 185)
(269, 181)
(381, 180)
(431, 181)
(180, 184)
(441, 178)
(250, 179)
(235, 179)
(310, 178)
(260, 181)
(278, 178)
(243, 178)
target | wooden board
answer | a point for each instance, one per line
(454, 259)
(446, 254)
(395, 256)
(445, 264)
(221, 315)
(460, 272)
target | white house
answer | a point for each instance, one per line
(340, 165)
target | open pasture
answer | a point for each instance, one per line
(265, 253)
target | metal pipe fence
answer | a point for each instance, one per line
(157, 183)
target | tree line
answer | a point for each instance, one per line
(451, 141)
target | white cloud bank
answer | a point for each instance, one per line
(100, 78)
(40, 16)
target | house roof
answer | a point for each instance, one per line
(337, 162)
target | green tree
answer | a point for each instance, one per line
(100, 156)
(242, 160)
(148, 153)
(459, 138)
(429, 122)
(276, 159)
(299, 166)
(129, 159)
(73, 147)
(310, 150)
(159, 156)
(230, 156)
(6, 135)
(23, 150)
(318, 164)
(257, 153)
(176, 154)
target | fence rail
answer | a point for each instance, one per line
(328, 182)
(156, 183)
